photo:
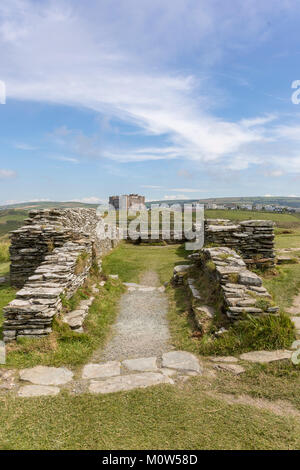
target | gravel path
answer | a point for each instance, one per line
(141, 329)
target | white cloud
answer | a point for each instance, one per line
(7, 174)
(89, 200)
(176, 197)
(23, 146)
(94, 60)
(65, 159)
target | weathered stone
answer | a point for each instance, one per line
(233, 368)
(224, 359)
(296, 321)
(181, 268)
(37, 391)
(181, 360)
(129, 382)
(142, 364)
(266, 356)
(96, 371)
(249, 279)
(42, 375)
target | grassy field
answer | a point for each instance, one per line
(130, 261)
(281, 220)
(162, 417)
(11, 219)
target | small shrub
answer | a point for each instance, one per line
(253, 333)
(210, 265)
(81, 262)
(263, 304)
(233, 278)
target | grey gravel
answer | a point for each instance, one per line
(141, 329)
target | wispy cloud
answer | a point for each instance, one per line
(95, 61)
(7, 174)
(23, 146)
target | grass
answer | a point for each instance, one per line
(4, 252)
(274, 381)
(11, 219)
(162, 417)
(4, 269)
(130, 261)
(284, 284)
(281, 220)
(291, 239)
(7, 294)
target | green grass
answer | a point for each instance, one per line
(4, 269)
(130, 261)
(282, 220)
(275, 381)
(162, 417)
(291, 239)
(285, 285)
(11, 219)
(7, 294)
(4, 252)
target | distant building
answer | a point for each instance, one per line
(247, 207)
(128, 201)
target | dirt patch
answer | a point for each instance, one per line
(149, 278)
(278, 407)
(295, 308)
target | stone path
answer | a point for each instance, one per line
(141, 329)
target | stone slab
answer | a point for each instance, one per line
(42, 375)
(144, 364)
(97, 371)
(129, 382)
(229, 359)
(181, 360)
(266, 356)
(233, 368)
(37, 391)
(296, 321)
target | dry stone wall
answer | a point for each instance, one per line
(242, 290)
(51, 256)
(252, 239)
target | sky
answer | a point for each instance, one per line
(172, 99)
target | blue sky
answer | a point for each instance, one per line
(171, 99)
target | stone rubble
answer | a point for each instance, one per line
(253, 239)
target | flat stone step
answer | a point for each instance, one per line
(144, 364)
(266, 356)
(181, 360)
(96, 371)
(37, 391)
(129, 382)
(43, 375)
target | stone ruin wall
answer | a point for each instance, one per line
(44, 264)
(252, 239)
(242, 290)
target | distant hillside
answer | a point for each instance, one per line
(47, 205)
(275, 200)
